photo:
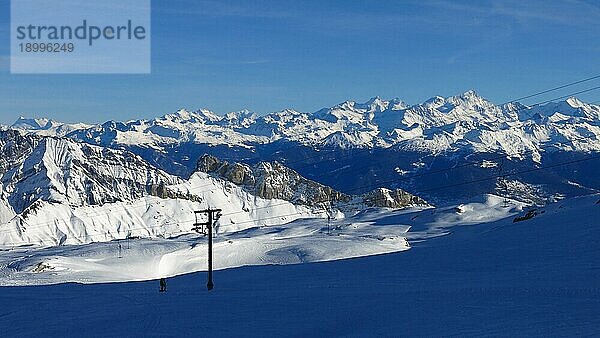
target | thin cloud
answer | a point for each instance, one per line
(568, 12)
(220, 62)
(221, 9)
(409, 14)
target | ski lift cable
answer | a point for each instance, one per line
(554, 89)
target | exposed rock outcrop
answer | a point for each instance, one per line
(398, 198)
(273, 180)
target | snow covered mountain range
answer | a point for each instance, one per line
(47, 127)
(436, 125)
(141, 175)
(353, 145)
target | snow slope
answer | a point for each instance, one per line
(373, 231)
(150, 216)
(497, 278)
(302, 241)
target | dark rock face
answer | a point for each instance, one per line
(391, 198)
(239, 174)
(14, 147)
(273, 180)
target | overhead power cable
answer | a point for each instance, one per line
(569, 95)
(555, 88)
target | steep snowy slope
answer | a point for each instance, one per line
(57, 191)
(76, 174)
(56, 224)
(49, 185)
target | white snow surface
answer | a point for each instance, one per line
(470, 271)
(175, 250)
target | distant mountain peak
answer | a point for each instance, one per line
(200, 115)
(471, 93)
(397, 104)
(46, 127)
(374, 104)
(32, 123)
(348, 104)
(575, 102)
(435, 101)
(239, 114)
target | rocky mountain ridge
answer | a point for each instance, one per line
(36, 169)
(273, 180)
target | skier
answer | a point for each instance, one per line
(163, 285)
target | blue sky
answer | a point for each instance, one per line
(269, 55)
